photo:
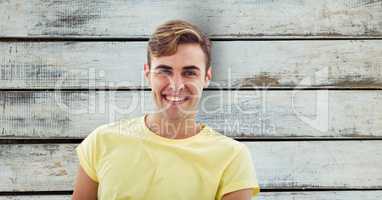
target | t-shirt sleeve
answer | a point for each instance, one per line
(87, 155)
(239, 174)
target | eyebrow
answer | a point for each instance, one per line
(163, 67)
(189, 67)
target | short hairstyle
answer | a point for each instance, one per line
(166, 38)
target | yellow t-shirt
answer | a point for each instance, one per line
(131, 162)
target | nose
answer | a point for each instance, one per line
(176, 82)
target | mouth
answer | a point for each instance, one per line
(175, 100)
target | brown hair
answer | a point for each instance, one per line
(166, 38)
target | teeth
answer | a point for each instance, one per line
(175, 98)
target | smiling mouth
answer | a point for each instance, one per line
(175, 99)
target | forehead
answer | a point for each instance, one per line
(186, 55)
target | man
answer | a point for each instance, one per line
(167, 154)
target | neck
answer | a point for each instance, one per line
(172, 128)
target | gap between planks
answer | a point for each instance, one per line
(26, 140)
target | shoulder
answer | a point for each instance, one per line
(109, 136)
(226, 142)
(122, 127)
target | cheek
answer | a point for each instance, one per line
(195, 87)
(157, 84)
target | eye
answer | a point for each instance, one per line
(189, 73)
(164, 72)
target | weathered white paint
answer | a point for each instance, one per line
(277, 113)
(37, 197)
(279, 165)
(236, 64)
(228, 18)
(324, 195)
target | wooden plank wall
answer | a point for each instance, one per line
(298, 82)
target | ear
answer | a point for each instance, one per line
(146, 70)
(208, 77)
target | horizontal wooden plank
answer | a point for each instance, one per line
(324, 195)
(236, 64)
(36, 197)
(279, 165)
(229, 18)
(236, 113)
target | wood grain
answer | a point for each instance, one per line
(279, 165)
(36, 197)
(228, 18)
(322, 195)
(238, 113)
(114, 57)
(236, 64)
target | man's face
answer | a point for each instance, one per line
(177, 81)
